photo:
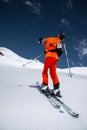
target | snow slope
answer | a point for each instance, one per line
(12, 59)
(24, 108)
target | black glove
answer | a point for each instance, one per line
(40, 40)
(62, 36)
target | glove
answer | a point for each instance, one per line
(40, 40)
(62, 36)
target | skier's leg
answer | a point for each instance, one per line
(53, 73)
(45, 73)
(55, 78)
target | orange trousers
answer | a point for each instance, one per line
(50, 63)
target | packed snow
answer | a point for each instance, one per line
(24, 108)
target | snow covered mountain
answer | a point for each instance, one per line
(8, 57)
(24, 108)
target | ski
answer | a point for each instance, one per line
(56, 101)
(67, 108)
(61, 103)
(51, 99)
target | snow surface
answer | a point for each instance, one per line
(24, 108)
(12, 59)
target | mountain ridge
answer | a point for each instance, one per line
(8, 57)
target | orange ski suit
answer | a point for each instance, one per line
(51, 60)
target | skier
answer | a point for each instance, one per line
(53, 50)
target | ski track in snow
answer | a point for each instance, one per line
(24, 108)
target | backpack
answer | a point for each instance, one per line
(58, 49)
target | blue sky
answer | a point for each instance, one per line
(22, 22)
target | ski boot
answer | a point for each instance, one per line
(45, 90)
(44, 87)
(56, 91)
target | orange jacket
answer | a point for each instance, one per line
(50, 44)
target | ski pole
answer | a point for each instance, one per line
(33, 60)
(70, 74)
